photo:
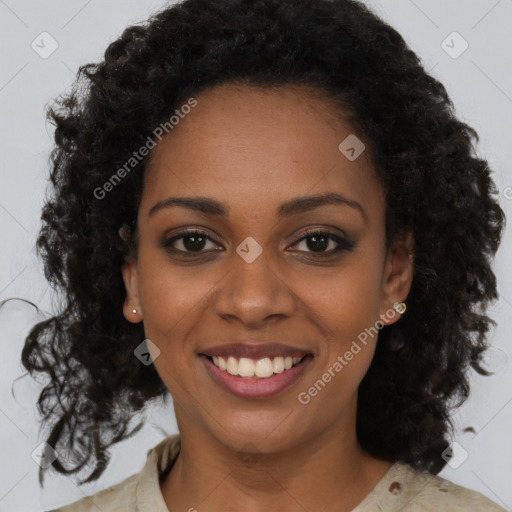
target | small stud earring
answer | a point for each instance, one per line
(399, 307)
(134, 310)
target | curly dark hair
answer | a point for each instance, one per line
(424, 157)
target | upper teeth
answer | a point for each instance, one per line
(261, 368)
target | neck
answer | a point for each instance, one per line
(327, 472)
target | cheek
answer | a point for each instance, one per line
(166, 291)
(348, 318)
(171, 299)
(349, 315)
(353, 299)
(171, 305)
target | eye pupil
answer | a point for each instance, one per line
(316, 245)
(191, 247)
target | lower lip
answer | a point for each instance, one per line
(256, 388)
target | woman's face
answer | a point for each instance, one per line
(253, 277)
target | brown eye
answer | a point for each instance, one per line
(319, 241)
(191, 241)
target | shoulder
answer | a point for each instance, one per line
(409, 490)
(453, 496)
(137, 489)
(116, 498)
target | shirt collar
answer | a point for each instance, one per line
(159, 458)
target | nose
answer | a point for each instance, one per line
(254, 290)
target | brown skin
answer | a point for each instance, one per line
(253, 150)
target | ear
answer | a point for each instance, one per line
(131, 285)
(397, 277)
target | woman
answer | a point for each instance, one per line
(269, 211)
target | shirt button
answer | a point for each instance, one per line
(395, 488)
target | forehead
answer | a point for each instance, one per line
(249, 146)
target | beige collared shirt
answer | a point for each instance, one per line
(401, 489)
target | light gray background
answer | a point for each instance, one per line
(480, 84)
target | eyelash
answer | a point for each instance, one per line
(343, 244)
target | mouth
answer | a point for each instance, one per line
(255, 378)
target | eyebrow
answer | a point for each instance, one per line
(294, 206)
